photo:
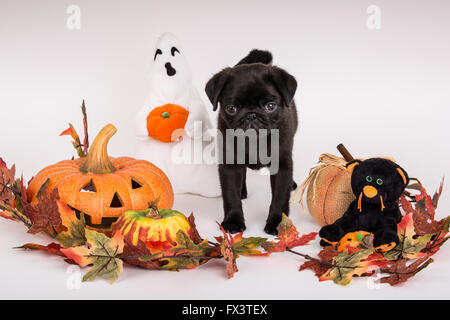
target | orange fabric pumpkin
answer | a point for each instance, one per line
(329, 192)
(166, 123)
(102, 187)
(330, 195)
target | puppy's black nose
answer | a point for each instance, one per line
(169, 69)
(250, 116)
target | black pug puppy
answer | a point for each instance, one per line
(255, 95)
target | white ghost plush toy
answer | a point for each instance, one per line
(183, 160)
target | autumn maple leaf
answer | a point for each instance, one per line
(245, 245)
(193, 232)
(400, 272)
(101, 252)
(71, 232)
(232, 247)
(346, 266)
(132, 253)
(424, 211)
(410, 244)
(288, 237)
(185, 255)
(321, 265)
(45, 213)
(12, 195)
(20, 194)
(52, 248)
(7, 177)
(226, 248)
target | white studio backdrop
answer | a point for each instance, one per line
(379, 86)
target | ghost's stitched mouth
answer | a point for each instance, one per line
(169, 69)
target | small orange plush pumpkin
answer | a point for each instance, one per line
(166, 123)
(102, 187)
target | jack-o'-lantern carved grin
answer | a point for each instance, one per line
(102, 187)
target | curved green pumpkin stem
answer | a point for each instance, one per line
(97, 160)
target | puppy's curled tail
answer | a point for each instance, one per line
(256, 56)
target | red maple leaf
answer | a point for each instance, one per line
(52, 248)
(44, 214)
(226, 247)
(321, 265)
(131, 254)
(400, 272)
(193, 232)
(288, 237)
(7, 177)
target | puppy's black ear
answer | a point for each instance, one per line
(215, 85)
(285, 83)
(256, 56)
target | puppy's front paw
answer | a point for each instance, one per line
(271, 229)
(271, 225)
(233, 224)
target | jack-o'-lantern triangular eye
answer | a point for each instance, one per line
(116, 202)
(89, 187)
(135, 184)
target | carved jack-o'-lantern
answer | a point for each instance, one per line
(102, 187)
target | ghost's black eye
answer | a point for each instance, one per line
(173, 50)
(158, 51)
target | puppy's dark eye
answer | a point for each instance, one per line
(231, 109)
(158, 51)
(173, 50)
(270, 107)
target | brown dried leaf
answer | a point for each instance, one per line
(423, 224)
(7, 177)
(46, 212)
(131, 254)
(400, 272)
(193, 232)
(226, 247)
(326, 256)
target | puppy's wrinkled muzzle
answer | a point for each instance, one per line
(250, 116)
(252, 120)
(370, 191)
